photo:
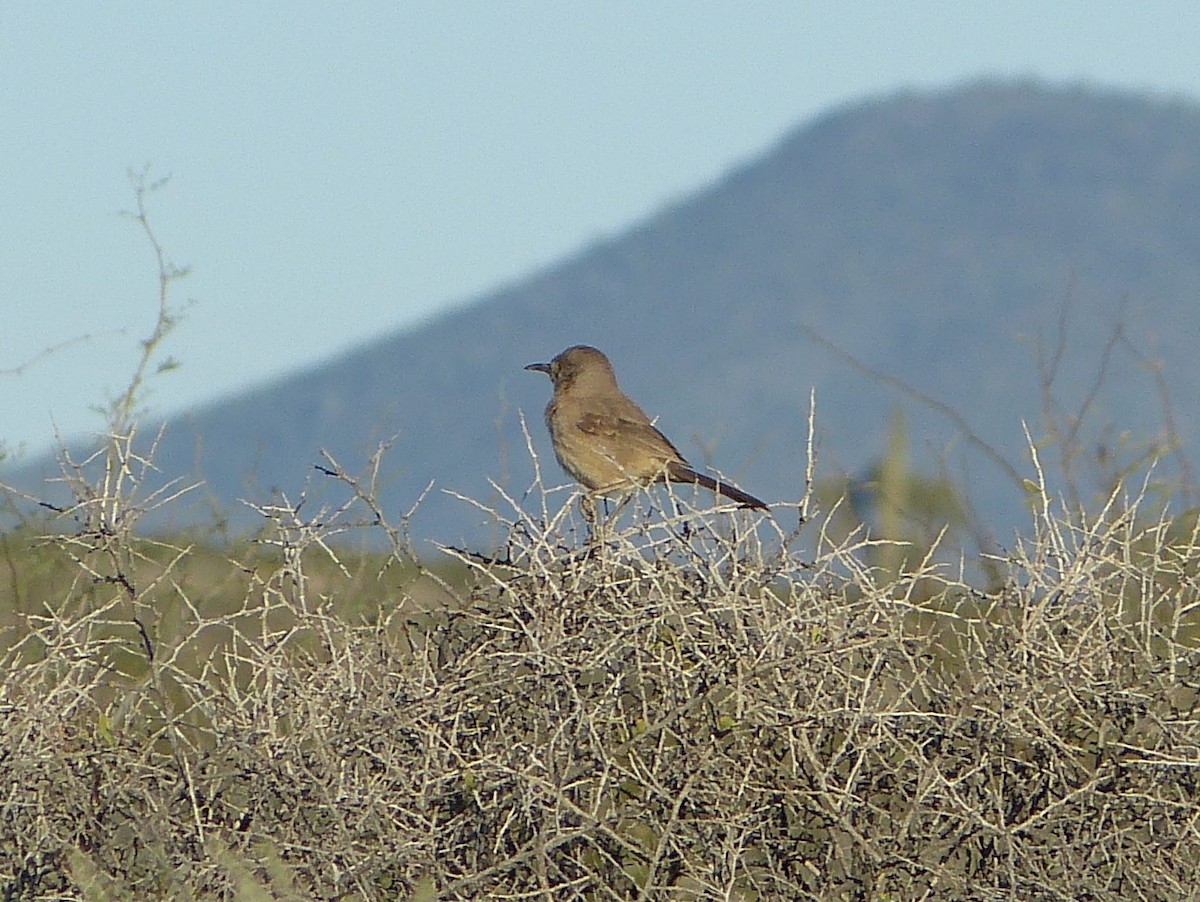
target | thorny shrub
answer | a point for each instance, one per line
(685, 703)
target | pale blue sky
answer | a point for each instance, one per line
(339, 171)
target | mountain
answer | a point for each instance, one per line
(937, 237)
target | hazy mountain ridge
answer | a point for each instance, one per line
(929, 234)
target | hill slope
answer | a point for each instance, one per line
(931, 235)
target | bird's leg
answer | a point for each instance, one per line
(612, 518)
(591, 516)
(597, 520)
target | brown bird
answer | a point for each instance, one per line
(603, 439)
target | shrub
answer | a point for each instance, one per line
(685, 705)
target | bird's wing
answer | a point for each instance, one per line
(628, 442)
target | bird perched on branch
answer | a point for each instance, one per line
(603, 439)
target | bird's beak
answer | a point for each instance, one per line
(539, 368)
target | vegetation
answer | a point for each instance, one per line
(688, 707)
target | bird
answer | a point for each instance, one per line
(604, 440)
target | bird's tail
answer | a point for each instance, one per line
(680, 473)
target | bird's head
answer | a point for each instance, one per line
(575, 363)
